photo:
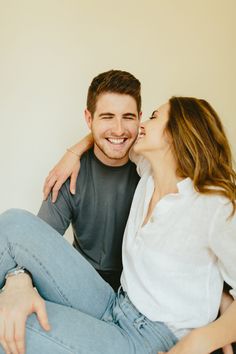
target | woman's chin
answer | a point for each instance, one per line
(138, 150)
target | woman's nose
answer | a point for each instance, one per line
(143, 124)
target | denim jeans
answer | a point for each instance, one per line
(85, 314)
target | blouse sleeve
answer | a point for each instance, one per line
(223, 244)
(142, 164)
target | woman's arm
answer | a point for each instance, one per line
(206, 339)
(226, 301)
(68, 166)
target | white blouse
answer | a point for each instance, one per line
(175, 265)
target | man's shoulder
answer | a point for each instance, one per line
(86, 158)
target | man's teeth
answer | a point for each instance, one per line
(116, 141)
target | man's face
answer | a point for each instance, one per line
(114, 126)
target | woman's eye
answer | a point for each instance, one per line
(152, 117)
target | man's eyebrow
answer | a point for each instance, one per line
(129, 114)
(106, 114)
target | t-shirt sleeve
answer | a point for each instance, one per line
(222, 242)
(142, 164)
(58, 214)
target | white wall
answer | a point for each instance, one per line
(51, 49)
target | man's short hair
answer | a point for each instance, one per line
(113, 81)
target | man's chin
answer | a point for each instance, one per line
(112, 153)
(116, 155)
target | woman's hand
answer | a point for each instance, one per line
(68, 166)
(17, 301)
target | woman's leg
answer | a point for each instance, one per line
(74, 332)
(60, 273)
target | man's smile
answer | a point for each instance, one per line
(116, 141)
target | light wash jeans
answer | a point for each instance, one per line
(85, 314)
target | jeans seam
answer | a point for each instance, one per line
(52, 339)
(2, 254)
(45, 271)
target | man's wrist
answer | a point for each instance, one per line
(16, 271)
(18, 276)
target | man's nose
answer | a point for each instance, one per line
(118, 127)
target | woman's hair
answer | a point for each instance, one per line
(201, 147)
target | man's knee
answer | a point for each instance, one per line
(14, 223)
(13, 215)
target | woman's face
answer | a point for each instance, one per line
(153, 135)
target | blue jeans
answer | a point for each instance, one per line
(85, 314)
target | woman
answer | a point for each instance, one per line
(179, 247)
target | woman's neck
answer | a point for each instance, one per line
(164, 174)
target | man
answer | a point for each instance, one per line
(99, 209)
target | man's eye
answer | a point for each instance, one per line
(129, 118)
(106, 117)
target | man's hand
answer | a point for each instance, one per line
(68, 166)
(18, 300)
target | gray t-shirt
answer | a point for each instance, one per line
(98, 211)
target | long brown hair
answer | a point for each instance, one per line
(201, 147)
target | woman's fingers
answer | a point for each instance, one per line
(73, 179)
(48, 184)
(228, 349)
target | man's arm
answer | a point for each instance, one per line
(58, 214)
(68, 166)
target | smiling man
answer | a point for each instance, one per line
(99, 209)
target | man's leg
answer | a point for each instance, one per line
(60, 273)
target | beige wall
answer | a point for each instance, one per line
(51, 49)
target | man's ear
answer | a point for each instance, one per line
(88, 118)
(140, 116)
